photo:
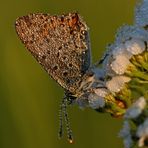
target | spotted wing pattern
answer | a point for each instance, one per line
(59, 43)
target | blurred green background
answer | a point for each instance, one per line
(29, 98)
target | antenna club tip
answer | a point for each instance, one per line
(71, 141)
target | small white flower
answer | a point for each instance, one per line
(95, 101)
(120, 64)
(141, 15)
(135, 46)
(117, 83)
(136, 109)
(142, 133)
(121, 50)
(126, 135)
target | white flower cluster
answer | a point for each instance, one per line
(100, 88)
(125, 63)
(135, 39)
(125, 66)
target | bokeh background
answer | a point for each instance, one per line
(29, 98)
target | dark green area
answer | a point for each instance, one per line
(29, 99)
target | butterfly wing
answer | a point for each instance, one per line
(59, 43)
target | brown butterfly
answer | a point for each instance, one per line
(61, 45)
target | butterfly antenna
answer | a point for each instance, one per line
(60, 134)
(63, 111)
(69, 131)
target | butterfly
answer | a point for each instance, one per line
(61, 44)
